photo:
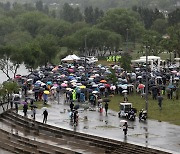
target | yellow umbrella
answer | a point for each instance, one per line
(82, 87)
(46, 92)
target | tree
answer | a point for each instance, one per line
(8, 61)
(49, 48)
(152, 39)
(119, 20)
(39, 6)
(112, 78)
(70, 14)
(174, 17)
(92, 15)
(6, 90)
(32, 22)
(125, 61)
(160, 26)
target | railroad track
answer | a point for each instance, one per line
(25, 136)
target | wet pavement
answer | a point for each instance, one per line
(154, 134)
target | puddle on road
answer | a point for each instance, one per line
(106, 126)
(145, 134)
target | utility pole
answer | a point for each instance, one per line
(85, 44)
(146, 86)
(127, 39)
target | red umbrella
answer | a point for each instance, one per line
(107, 85)
(141, 86)
(70, 70)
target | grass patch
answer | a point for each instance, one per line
(170, 109)
(39, 105)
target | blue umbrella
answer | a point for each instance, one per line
(171, 86)
(49, 82)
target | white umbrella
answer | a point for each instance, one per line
(79, 84)
(95, 85)
(122, 122)
(54, 87)
(139, 77)
(43, 84)
(124, 86)
(124, 91)
(158, 77)
(95, 92)
(113, 87)
(176, 78)
(38, 82)
(44, 108)
(29, 79)
(80, 67)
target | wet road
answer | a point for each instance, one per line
(154, 134)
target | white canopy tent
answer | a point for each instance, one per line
(70, 58)
(151, 59)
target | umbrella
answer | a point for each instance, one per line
(107, 85)
(18, 76)
(158, 77)
(113, 87)
(69, 89)
(123, 86)
(176, 78)
(94, 85)
(63, 85)
(25, 103)
(102, 86)
(122, 122)
(82, 87)
(38, 82)
(49, 83)
(44, 108)
(174, 71)
(103, 81)
(124, 91)
(141, 86)
(95, 92)
(139, 77)
(46, 92)
(53, 87)
(16, 95)
(79, 84)
(29, 80)
(80, 67)
(171, 86)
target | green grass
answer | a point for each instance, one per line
(39, 105)
(170, 109)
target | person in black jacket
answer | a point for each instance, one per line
(106, 107)
(45, 113)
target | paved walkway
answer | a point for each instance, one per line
(154, 134)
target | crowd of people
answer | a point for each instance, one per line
(93, 83)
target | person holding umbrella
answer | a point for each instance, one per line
(125, 128)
